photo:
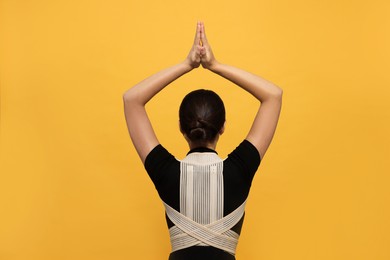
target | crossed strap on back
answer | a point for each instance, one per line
(200, 221)
(187, 232)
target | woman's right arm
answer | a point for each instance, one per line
(269, 95)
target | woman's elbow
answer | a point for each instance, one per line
(277, 93)
(129, 95)
(280, 94)
(126, 93)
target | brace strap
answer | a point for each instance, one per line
(187, 232)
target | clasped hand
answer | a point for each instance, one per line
(201, 52)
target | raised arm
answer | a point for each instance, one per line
(135, 99)
(269, 95)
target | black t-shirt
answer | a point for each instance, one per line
(239, 169)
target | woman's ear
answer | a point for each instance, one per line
(222, 129)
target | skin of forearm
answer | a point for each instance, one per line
(142, 92)
(260, 88)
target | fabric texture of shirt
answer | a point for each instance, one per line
(239, 169)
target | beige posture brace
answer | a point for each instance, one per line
(200, 221)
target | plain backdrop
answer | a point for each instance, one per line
(72, 186)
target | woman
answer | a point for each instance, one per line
(204, 196)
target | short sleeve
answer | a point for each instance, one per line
(246, 157)
(156, 163)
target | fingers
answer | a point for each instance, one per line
(201, 49)
(197, 34)
(203, 37)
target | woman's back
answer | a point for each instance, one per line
(205, 189)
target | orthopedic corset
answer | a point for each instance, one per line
(200, 221)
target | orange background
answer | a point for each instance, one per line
(71, 184)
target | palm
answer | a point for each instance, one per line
(200, 52)
(193, 57)
(206, 54)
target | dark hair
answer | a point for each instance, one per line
(202, 115)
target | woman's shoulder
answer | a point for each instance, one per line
(244, 159)
(159, 160)
(158, 151)
(246, 149)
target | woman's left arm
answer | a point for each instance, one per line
(135, 99)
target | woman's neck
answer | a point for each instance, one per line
(210, 146)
